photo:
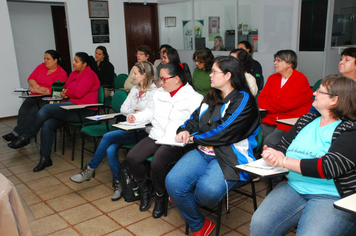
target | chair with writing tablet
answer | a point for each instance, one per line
(98, 130)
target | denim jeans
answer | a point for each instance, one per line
(314, 214)
(27, 113)
(50, 118)
(110, 144)
(197, 180)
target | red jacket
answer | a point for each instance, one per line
(82, 88)
(293, 100)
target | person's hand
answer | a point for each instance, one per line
(272, 157)
(63, 94)
(183, 137)
(131, 118)
(35, 90)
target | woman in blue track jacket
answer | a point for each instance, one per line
(224, 127)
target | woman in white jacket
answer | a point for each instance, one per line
(140, 96)
(172, 105)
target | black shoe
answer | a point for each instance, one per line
(160, 206)
(44, 162)
(9, 137)
(19, 142)
(145, 190)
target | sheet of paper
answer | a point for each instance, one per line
(261, 164)
(171, 142)
(133, 124)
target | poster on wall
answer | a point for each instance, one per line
(214, 27)
(188, 34)
(100, 31)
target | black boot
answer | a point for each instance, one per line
(160, 205)
(145, 190)
(9, 137)
(19, 142)
(44, 162)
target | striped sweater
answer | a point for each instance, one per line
(338, 163)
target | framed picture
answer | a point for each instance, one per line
(170, 21)
(98, 9)
(100, 27)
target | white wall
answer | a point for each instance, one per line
(8, 66)
(32, 29)
(311, 65)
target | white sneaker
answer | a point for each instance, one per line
(84, 175)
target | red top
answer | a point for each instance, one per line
(82, 88)
(293, 100)
(40, 76)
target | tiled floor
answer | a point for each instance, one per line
(62, 207)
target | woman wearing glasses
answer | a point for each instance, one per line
(287, 93)
(143, 53)
(138, 99)
(172, 105)
(319, 152)
(203, 58)
(224, 127)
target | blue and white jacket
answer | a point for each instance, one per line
(230, 127)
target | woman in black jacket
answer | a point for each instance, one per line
(224, 127)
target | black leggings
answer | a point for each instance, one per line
(163, 155)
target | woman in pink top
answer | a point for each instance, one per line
(40, 81)
(81, 88)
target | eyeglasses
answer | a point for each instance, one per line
(216, 72)
(278, 60)
(164, 57)
(322, 92)
(163, 80)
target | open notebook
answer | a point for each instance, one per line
(261, 168)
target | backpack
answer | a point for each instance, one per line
(129, 186)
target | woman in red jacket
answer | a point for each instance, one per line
(287, 93)
(81, 88)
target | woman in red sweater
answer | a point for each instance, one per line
(81, 88)
(287, 93)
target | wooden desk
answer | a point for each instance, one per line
(290, 121)
(347, 204)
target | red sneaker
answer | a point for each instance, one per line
(206, 229)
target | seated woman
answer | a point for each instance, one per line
(224, 127)
(104, 69)
(319, 152)
(172, 104)
(218, 44)
(40, 81)
(256, 69)
(204, 61)
(287, 93)
(170, 55)
(159, 62)
(246, 62)
(81, 88)
(143, 52)
(140, 96)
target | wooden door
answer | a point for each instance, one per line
(141, 24)
(61, 36)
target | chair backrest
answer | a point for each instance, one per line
(57, 88)
(101, 95)
(119, 81)
(316, 86)
(118, 99)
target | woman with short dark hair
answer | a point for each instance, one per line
(319, 152)
(203, 58)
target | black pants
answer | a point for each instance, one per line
(163, 155)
